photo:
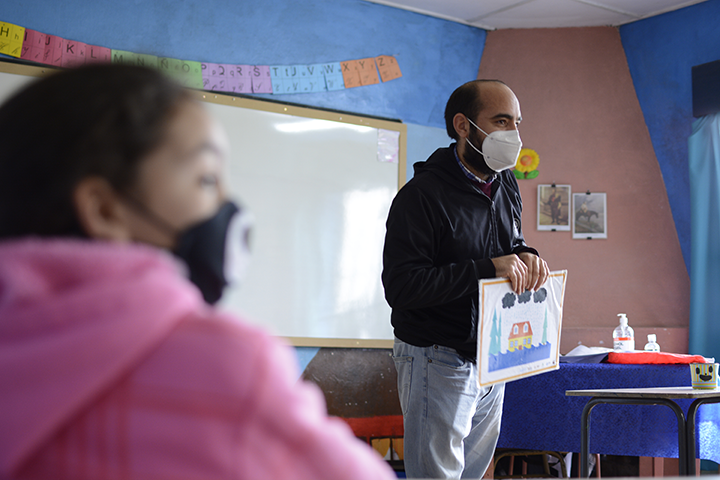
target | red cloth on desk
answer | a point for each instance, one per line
(653, 357)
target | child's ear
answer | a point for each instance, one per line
(100, 211)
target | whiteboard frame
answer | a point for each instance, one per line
(241, 101)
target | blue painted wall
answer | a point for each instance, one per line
(425, 140)
(435, 55)
(661, 52)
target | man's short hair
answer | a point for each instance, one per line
(466, 100)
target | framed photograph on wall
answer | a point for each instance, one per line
(589, 215)
(553, 207)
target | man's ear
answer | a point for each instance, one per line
(461, 124)
(100, 211)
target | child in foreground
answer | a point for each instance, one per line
(116, 237)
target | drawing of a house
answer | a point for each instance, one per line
(520, 336)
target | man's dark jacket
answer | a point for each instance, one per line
(442, 232)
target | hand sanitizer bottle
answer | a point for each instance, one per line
(623, 336)
(651, 345)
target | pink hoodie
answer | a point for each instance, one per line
(111, 366)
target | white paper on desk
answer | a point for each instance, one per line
(519, 335)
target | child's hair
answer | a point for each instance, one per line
(93, 120)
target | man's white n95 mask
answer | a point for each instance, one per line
(500, 148)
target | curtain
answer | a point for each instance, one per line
(704, 161)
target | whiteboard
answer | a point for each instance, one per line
(319, 195)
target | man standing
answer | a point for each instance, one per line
(456, 222)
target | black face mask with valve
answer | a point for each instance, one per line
(203, 248)
(215, 250)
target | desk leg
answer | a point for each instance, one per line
(682, 426)
(584, 434)
(690, 432)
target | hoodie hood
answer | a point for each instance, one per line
(442, 163)
(75, 316)
(437, 162)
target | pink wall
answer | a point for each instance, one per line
(583, 118)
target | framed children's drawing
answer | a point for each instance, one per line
(590, 215)
(553, 207)
(519, 335)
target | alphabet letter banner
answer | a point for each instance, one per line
(38, 47)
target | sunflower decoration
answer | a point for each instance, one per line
(527, 163)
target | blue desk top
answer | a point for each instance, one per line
(538, 416)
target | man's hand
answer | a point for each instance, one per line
(538, 270)
(514, 269)
(525, 271)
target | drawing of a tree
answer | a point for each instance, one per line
(495, 335)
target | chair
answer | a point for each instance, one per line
(512, 453)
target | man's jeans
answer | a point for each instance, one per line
(451, 423)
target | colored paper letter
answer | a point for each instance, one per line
(11, 39)
(53, 50)
(312, 79)
(333, 76)
(186, 73)
(95, 54)
(73, 53)
(121, 56)
(351, 73)
(388, 67)
(261, 79)
(277, 75)
(243, 73)
(33, 46)
(130, 58)
(216, 77)
(368, 71)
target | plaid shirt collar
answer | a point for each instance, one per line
(468, 173)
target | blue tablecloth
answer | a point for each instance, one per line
(538, 416)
